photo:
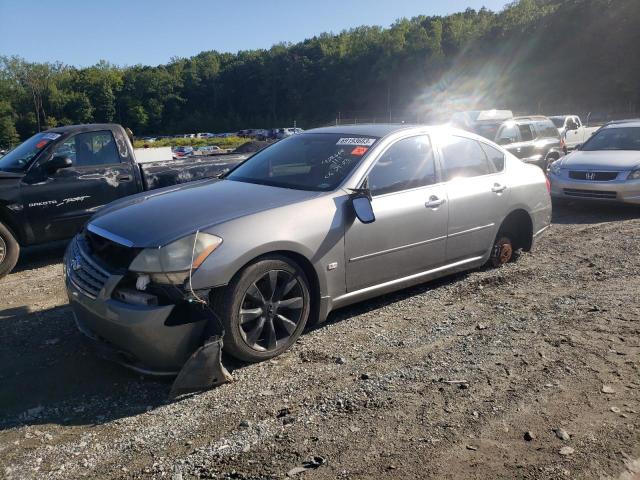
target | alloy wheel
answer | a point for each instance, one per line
(271, 310)
(3, 249)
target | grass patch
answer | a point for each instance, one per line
(230, 142)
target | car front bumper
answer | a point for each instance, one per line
(135, 336)
(613, 191)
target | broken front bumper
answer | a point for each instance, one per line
(138, 337)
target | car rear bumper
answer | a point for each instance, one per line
(615, 191)
(135, 336)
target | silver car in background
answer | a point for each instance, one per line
(315, 222)
(605, 168)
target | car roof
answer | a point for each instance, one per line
(631, 122)
(373, 130)
(529, 118)
(85, 127)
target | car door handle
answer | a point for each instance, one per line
(434, 202)
(497, 188)
(124, 178)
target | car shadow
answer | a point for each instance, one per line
(577, 213)
(40, 256)
(382, 301)
(49, 376)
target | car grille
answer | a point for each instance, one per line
(111, 254)
(593, 176)
(574, 192)
(84, 273)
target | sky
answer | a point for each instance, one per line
(150, 32)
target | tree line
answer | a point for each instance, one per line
(537, 56)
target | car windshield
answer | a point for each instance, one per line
(558, 121)
(620, 138)
(309, 161)
(18, 159)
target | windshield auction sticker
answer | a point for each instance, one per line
(357, 141)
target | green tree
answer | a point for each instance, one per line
(8, 133)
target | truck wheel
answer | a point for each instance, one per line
(9, 250)
(264, 309)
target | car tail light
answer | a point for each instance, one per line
(548, 185)
(562, 143)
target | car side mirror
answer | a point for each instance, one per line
(361, 201)
(57, 163)
(579, 146)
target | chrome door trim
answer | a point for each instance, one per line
(411, 278)
(395, 249)
(471, 230)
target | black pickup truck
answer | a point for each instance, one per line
(53, 182)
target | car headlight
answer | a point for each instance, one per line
(634, 175)
(555, 167)
(172, 263)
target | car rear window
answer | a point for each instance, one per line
(495, 156)
(464, 158)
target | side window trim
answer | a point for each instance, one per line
(98, 165)
(504, 157)
(436, 161)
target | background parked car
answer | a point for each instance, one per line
(287, 132)
(481, 122)
(182, 152)
(606, 168)
(533, 139)
(572, 130)
(208, 150)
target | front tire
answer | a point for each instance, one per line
(264, 309)
(9, 250)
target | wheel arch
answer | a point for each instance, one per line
(307, 267)
(519, 223)
(11, 223)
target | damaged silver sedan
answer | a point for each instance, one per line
(315, 222)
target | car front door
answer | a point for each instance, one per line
(58, 203)
(409, 203)
(477, 192)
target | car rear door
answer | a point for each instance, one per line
(59, 203)
(410, 205)
(477, 193)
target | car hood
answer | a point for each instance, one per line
(607, 160)
(156, 218)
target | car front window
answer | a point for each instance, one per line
(18, 159)
(622, 138)
(308, 161)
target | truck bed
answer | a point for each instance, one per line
(171, 172)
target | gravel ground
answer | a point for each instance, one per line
(529, 371)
